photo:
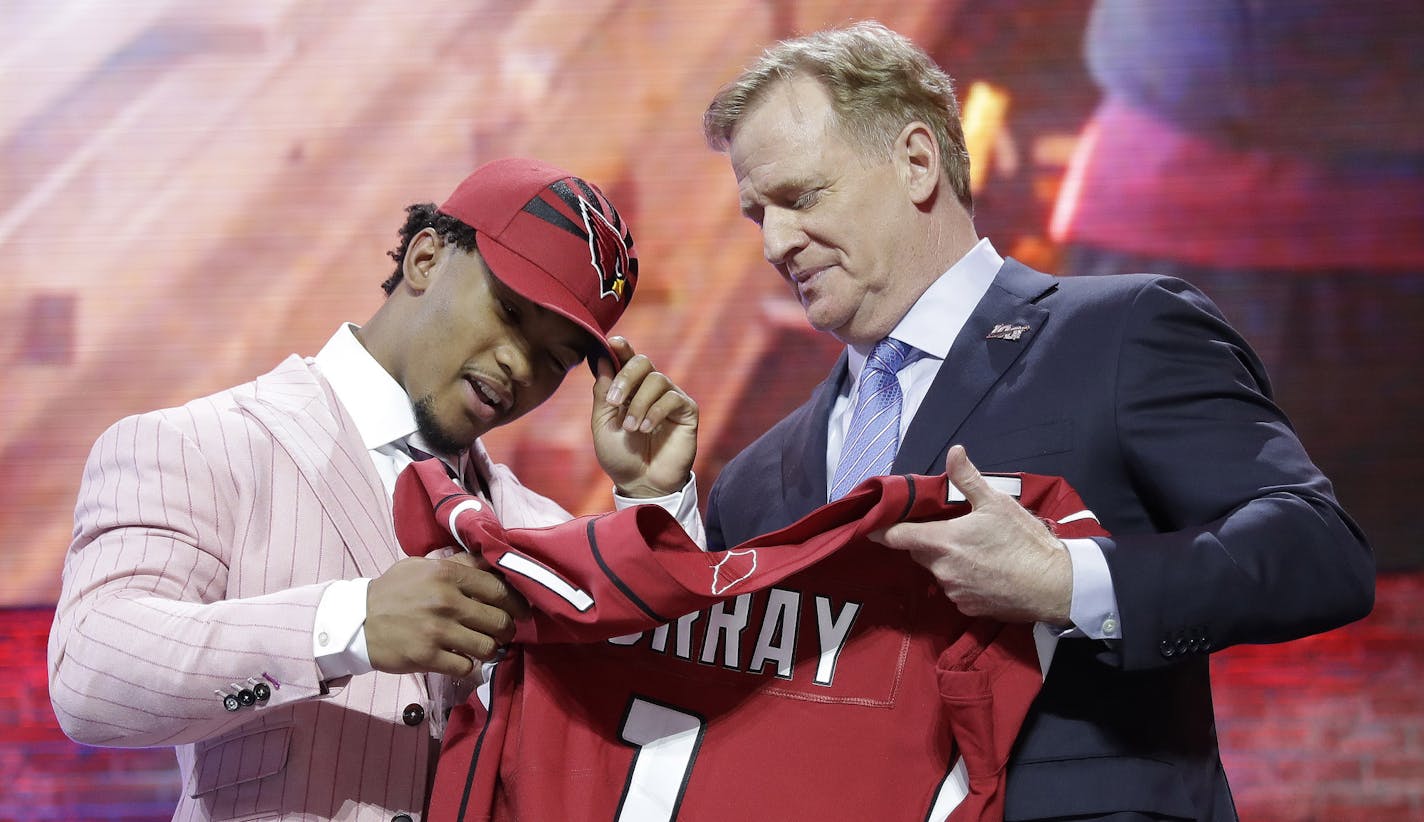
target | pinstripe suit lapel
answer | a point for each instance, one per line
(304, 418)
(976, 361)
(514, 505)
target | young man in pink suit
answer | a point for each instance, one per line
(235, 588)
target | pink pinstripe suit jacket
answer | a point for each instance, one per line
(204, 538)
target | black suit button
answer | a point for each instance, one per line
(1167, 648)
(262, 691)
(1182, 645)
(246, 697)
(414, 715)
(230, 702)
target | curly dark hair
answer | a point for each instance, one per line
(419, 217)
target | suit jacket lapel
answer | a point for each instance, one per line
(975, 363)
(514, 505)
(305, 419)
(803, 461)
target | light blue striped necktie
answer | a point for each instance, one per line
(874, 433)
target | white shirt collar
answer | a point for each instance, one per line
(940, 313)
(376, 402)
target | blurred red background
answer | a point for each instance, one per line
(191, 191)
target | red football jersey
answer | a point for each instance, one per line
(807, 674)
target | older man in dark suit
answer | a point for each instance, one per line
(850, 158)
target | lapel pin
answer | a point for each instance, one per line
(1006, 331)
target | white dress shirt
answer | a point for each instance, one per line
(385, 420)
(931, 325)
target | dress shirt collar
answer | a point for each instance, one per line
(376, 402)
(937, 316)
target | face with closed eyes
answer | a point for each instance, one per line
(472, 354)
(835, 218)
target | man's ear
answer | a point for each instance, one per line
(918, 154)
(420, 259)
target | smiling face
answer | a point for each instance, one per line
(836, 220)
(470, 352)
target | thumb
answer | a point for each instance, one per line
(964, 476)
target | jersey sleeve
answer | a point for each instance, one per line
(598, 577)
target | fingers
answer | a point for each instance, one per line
(998, 560)
(439, 615)
(458, 555)
(451, 664)
(462, 557)
(900, 536)
(649, 398)
(613, 379)
(623, 349)
(604, 369)
(485, 615)
(478, 633)
(487, 590)
(657, 401)
(629, 379)
(467, 630)
(922, 541)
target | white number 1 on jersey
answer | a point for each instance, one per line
(667, 740)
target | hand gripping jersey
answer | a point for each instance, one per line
(807, 674)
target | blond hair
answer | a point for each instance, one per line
(878, 82)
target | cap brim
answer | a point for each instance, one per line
(539, 287)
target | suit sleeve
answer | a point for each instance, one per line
(144, 631)
(1253, 545)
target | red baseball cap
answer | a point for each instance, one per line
(553, 238)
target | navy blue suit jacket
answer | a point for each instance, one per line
(1138, 392)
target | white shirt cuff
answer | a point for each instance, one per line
(1094, 607)
(681, 504)
(339, 633)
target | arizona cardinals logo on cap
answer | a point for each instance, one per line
(608, 239)
(605, 251)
